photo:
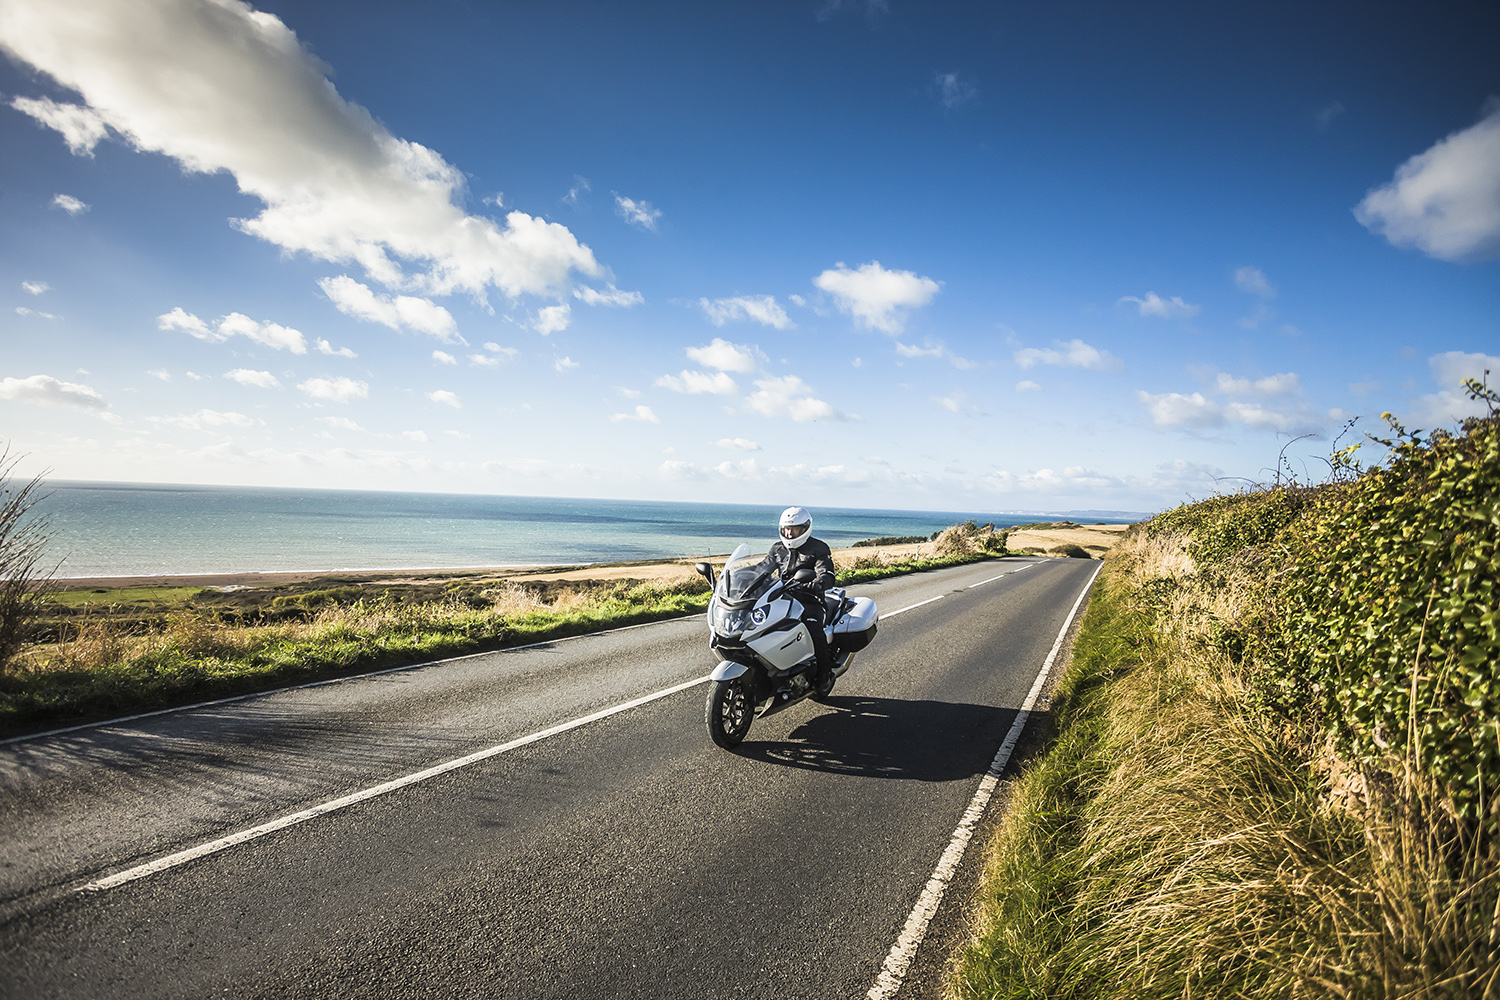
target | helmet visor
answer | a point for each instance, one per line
(791, 531)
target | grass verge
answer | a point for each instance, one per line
(185, 654)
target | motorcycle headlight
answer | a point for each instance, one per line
(729, 621)
(758, 616)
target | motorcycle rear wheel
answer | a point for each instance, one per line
(729, 711)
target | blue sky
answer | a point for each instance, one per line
(947, 256)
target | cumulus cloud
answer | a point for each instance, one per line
(273, 335)
(876, 298)
(342, 422)
(446, 398)
(1451, 403)
(724, 356)
(1283, 384)
(23, 311)
(1197, 412)
(80, 127)
(956, 402)
(444, 358)
(611, 296)
(552, 319)
(789, 396)
(341, 352)
(247, 376)
(1445, 201)
(637, 213)
(69, 204)
(577, 191)
(400, 312)
(1254, 281)
(44, 390)
(564, 364)
(737, 444)
(337, 390)
(1155, 305)
(36, 287)
(932, 350)
(1174, 409)
(763, 309)
(1072, 354)
(221, 86)
(695, 383)
(1026, 385)
(642, 413)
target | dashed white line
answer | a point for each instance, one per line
(1002, 576)
(898, 962)
(901, 611)
(281, 823)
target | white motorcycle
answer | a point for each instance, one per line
(768, 658)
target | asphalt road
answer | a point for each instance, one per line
(627, 857)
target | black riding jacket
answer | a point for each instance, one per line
(812, 554)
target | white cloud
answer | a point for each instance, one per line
(69, 204)
(337, 390)
(637, 213)
(724, 356)
(444, 358)
(272, 335)
(876, 298)
(953, 91)
(737, 444)
(552, 319)
(343, 422)
(80, 127)
(1155, 305)
(1451, 403)
(628, 393)
(700, 382)
(931, 350)
(1026, 385)
(956, 402)
(1254, 281)
(789, 396)
(642, 413)
(419, 436)
(1446, 201)
(246, 376)
(1072, 354)
(221, 86)
(160, 373)
(399, 312)
(763, 309)
(210, 418)
(44, 390)
(342, 352)
(797, 300)
(484, 361)
(612, 296)
(580, 187)
(36, 287)
(1173, 409)
(23, 311)
(564, 364)
(1283, 384)
(446, 398)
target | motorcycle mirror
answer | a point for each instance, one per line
(803, 575)
(706, 571)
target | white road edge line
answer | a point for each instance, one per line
(898, 962)
(281, 823)
(898, 611)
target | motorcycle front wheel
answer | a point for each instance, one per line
(729, 711)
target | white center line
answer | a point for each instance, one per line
(281, 823)
(892, 614)
(898, 962)
(1002, 576)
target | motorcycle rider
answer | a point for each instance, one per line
(797, 549)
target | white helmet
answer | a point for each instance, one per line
(796, 527)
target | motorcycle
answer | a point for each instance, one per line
(767, 658)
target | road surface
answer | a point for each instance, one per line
(587, 852)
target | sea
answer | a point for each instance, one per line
(134, 529)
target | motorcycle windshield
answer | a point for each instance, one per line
(746, 575)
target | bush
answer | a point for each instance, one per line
(24, 581)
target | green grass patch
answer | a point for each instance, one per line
(106, 596)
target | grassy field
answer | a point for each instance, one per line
(1272, 766)
(109, 652)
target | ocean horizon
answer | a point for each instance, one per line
(105, 529)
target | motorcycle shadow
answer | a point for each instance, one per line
(890, 738)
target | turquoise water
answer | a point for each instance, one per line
(133, 529)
